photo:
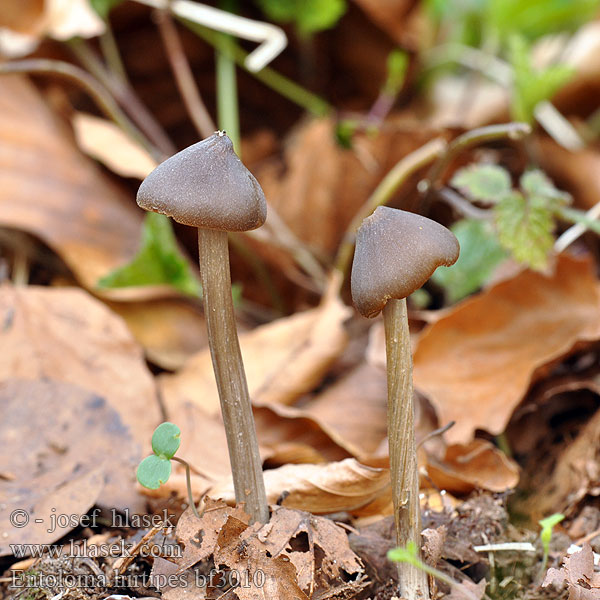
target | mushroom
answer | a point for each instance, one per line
(396, 253)
(208, 187)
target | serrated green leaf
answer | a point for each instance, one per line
(159, 261)
(525, 228)
(480, 254)
(166, 440)
(309, 16)
(103, 7)
(153, 471)
(489, 183)
(536, 183)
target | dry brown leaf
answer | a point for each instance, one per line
(477, 465)
(320, 489)
(52, 191)
(283, 360)
(66, 334)
(171, 331)
(353, 411)
(296, 534)
(104, 141)
(68, 448)
(576, 474)
(199, 536)
(578, 574)
(477, 362)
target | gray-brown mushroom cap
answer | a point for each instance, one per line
(206, 186)
(396, 253)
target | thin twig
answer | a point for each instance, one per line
(183, 74)
(463, 206)
(399, 173)
(103, 99)
(125, 96)
(475, 137)
(576, 231)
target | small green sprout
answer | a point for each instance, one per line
(547, 526)
(410, 555)
(155, 469)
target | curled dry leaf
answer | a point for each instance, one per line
(104, 141)
(578, 574)
(66, 334)
(321, 489)
(55, 18)
(69, 449)
(476, 465)
(476, 363)
(52, 191)
(283, 360)
(298, 555)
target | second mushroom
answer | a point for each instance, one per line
(396, 253)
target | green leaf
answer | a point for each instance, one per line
(159, 261)
(165, 440)
(532, 86)
(480, 254)
(489, 183)
(548, 525)
(525, 228)
(535, 18)
(153, 471)
(103, 7)
(536, 183)
(309, 16)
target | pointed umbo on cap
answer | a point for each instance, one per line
(396, 253)
(206, 186)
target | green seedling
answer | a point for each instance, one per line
(155, 469)
(410, 555)
(547, 526)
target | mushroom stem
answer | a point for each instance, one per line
(226, 356)
(403, 452)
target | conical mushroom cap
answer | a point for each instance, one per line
(206, 186)
(396, 253)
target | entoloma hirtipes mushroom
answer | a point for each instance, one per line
(208, 187)
(396, 253)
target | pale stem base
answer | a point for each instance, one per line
(403, 451)
(226, 356)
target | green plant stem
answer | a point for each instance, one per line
(286, 87)
(226, 356)
(124, 95)
(399, 173)
(228, 113)
(184, 77)
(573, 215)
(112, 56)
(188, 481)
(475, 137)
(402, 447)
(103, 99)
